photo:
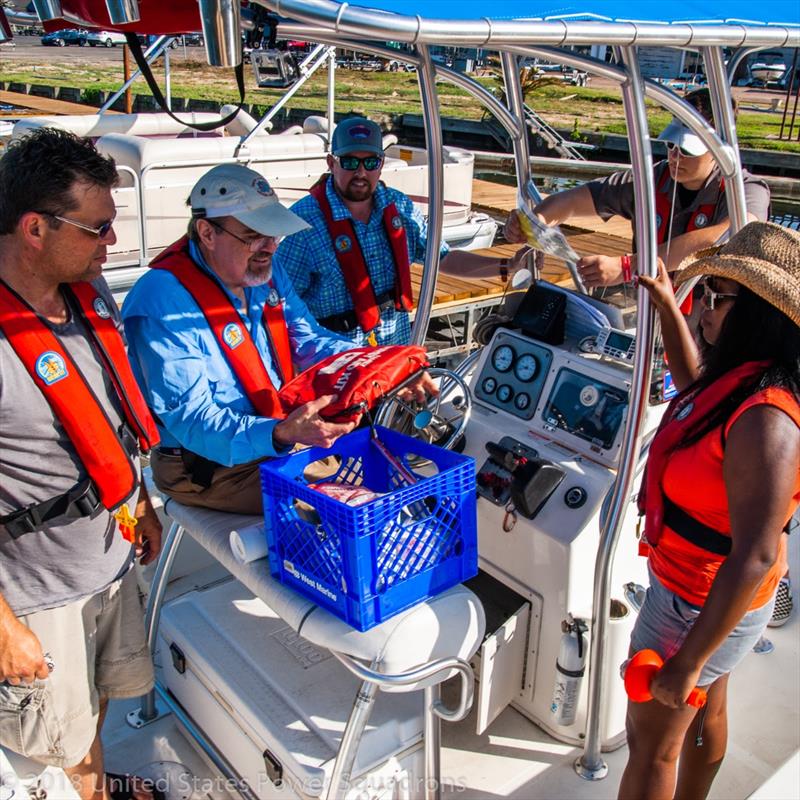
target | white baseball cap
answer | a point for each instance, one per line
(678, 134)
(233, 190)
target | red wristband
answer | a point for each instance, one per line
(625, 263)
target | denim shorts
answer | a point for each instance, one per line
(665, 620)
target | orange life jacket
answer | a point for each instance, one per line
(351, 259)
(699, 219)
(234, 339)
(678, 420)
(73, 401)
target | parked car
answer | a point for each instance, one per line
(67, 36)
(105, 38)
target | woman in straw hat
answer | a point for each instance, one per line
(722, 482)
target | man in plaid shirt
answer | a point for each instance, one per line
(351, 265)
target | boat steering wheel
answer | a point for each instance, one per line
(426, 421)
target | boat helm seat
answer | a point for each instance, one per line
(449, 625)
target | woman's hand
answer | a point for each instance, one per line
(672, 684)
(659, 288)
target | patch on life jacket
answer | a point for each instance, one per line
(343, 244)
(397, 223)
(50, 367)
(232, 335)
(700, 220)
(273, 298)
(100, 308)
(659, 220)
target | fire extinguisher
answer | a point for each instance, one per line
(570, 666)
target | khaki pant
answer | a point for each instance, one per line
(235, 489)
(99, 650)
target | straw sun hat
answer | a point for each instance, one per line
(762, 256)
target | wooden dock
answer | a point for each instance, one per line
(44, 105)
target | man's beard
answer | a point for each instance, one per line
(257, 274)
(356, 195)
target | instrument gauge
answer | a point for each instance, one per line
(526, 367)
(504, 393)
(522, 401)
(489, 385)
(503, 358)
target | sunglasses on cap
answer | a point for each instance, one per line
(712, 297)
(351, 163)
(100, 232)
(684, 153)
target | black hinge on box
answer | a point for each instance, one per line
(274, 768)
(178, 659)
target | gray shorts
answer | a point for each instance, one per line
(99, 650)
(665, 620)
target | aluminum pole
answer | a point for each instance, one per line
(154, 602)
(331, 94)
(725, 124)
(433, 141)
(591, 765)
(150, 55)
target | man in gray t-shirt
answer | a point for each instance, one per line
(691, 210)
(72, 421)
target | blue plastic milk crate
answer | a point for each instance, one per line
(366, 563)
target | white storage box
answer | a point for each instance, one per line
(276, 705)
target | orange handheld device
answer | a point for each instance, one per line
(639, 671)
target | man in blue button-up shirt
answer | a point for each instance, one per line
(355, 193)
(211, 436)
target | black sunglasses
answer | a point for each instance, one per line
(350, 163)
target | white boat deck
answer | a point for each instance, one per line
(516, 759)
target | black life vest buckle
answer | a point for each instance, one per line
(80, 501)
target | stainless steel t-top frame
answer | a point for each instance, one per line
(349, 26)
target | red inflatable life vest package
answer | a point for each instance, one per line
(359, 377)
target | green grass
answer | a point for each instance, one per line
(382, 95)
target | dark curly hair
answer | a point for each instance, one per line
(753, 330)
(37, 173)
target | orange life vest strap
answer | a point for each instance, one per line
(74, 404)
(699, 219)
(234, 339)
(111, 348)
(354, 268)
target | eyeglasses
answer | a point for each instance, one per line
(252, 245)
(711, 297)
(100, 232)
(684, 153)
(350, 163)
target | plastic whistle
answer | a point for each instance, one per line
(639, 671)
(126, 523)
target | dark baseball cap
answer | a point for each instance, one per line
(357, 135)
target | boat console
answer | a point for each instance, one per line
(551, 397)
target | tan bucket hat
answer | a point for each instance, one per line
(762, 256)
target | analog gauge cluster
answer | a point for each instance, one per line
(513, 375)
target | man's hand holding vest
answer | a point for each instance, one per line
(420, 390)
(305, 426)
(21, 657)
